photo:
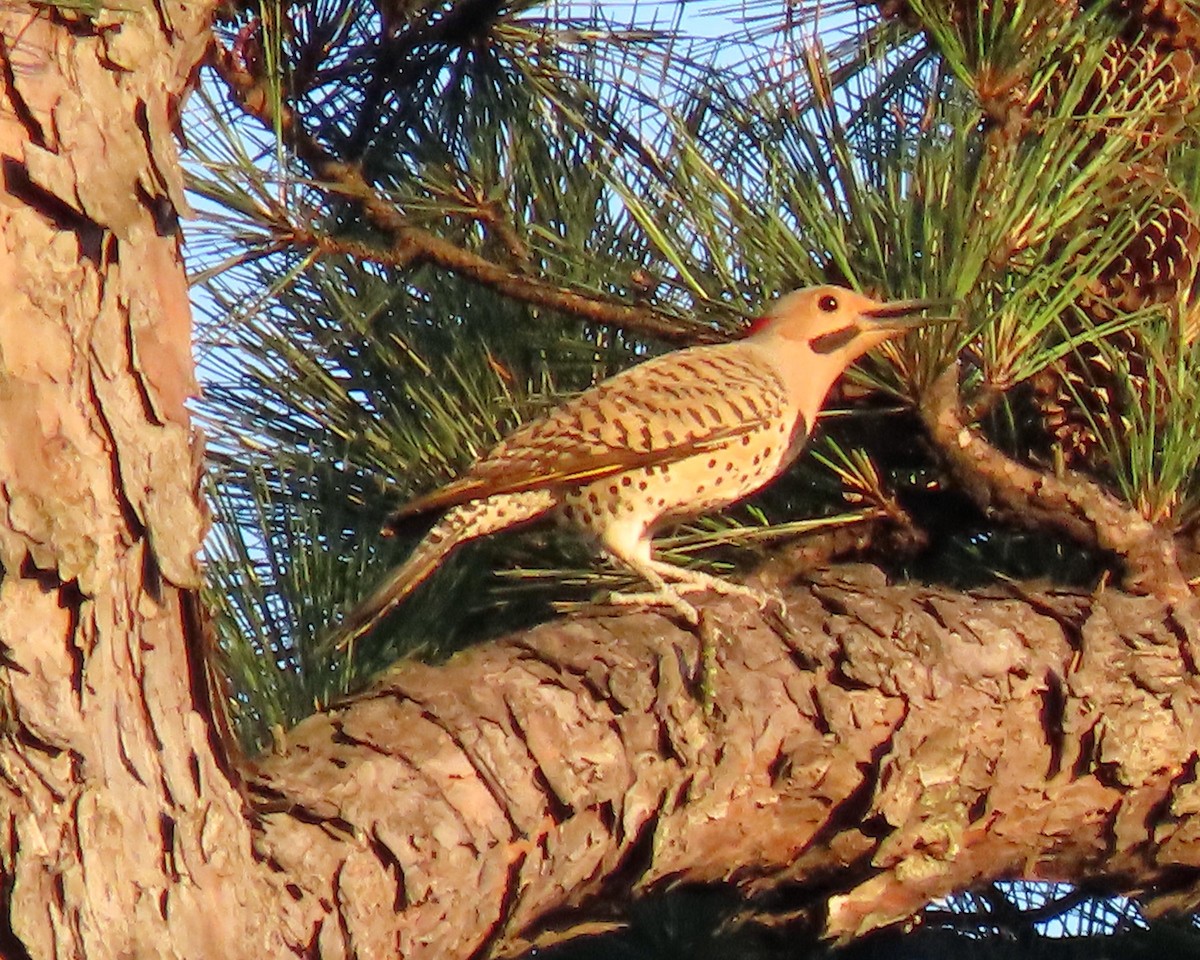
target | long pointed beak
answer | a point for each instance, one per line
(901, 314)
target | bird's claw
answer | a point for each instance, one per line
(660, 598)
(768, 601)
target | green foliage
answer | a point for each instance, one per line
(1147, 432)
(630, 164)
(321, 425)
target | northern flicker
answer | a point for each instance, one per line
(678, 435)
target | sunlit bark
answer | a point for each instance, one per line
(876, 747)
(120, 830)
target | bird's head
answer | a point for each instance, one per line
(836, 323)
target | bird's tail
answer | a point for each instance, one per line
(398, 584)
(467, 522)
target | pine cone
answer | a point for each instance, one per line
(1145, 76)
(1171, 23)
(1157, 268)
(1159, 264)
(1083, 390)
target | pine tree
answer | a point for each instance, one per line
(426, 222)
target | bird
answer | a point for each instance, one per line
(681, 434)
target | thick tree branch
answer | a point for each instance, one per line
(1071, 504)
(410, 245)
(878, 747)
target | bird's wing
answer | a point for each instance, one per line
(661, 411)
(561, 468)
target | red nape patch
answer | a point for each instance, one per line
(757, 324)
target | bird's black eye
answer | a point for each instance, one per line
(828, 303)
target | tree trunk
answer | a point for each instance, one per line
(121, 831)
(876, 747)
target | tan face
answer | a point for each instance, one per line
(835, 322)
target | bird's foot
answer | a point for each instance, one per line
(766, 600)
(657, 598)
(707, 630)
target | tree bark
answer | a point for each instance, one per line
(122, 833)
(878, 747)
(875, 747)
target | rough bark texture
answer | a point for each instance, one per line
(877, 747)
(881, 747)
(119, 829)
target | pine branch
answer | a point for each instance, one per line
(1071, 504)
(410, 245)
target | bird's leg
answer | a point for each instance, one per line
(710, 633)
(663, 594)
(630, 547)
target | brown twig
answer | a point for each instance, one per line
(410, 245)
(1072, 504)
